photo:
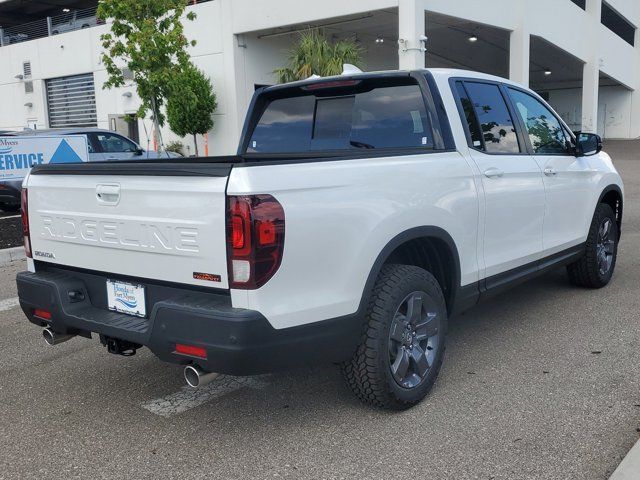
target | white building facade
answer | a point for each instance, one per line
(581, 55)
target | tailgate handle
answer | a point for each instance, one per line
(108, 194)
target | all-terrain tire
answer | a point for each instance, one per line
(587, 272)
(369, 372)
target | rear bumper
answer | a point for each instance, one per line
(237, 341)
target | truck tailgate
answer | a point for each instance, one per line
(160, 227)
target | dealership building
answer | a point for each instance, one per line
(580, 55)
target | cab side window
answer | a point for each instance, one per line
(545, 131)
(496, 125)
(111, 143)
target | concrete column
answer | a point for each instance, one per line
(590, 86)
(634, 120)
(519, 44)
(591, 71)
(411, 25)
(235, 100)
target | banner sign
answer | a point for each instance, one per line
(19, 154)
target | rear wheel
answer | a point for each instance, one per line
(401, 350)
(595, 268)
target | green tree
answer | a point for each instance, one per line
(147, 37)
(314, 54)
(190, 108)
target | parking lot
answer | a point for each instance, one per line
(10, 230)
(540, 383)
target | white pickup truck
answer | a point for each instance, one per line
(360, 213)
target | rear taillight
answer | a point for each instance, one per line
(24, 213)
(255, 239)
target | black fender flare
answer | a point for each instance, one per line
(614, 188)
(395, 242)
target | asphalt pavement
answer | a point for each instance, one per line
(10, 231)
(540, 383)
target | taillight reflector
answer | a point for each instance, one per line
(266, 232)
(45, 315)
(255, 238)
(24, 214)
(191, 350)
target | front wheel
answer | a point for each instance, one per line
(402, 347)
(595, 268)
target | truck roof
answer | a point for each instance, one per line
(436, 72)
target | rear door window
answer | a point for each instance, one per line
(475, 136)
(496, 125)
(365, 118)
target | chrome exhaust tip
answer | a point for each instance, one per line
(53, 338)
(196, 377)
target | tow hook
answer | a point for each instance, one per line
(119, 347)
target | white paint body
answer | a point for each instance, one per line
(340, 215)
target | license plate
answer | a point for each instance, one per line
(126, 298)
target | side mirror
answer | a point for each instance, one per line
(587, 144)
(139, 151)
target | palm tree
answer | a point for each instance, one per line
(314, 55)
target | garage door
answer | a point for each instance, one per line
(72, 101)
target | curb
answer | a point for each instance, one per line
(9, 255)
(630, 465)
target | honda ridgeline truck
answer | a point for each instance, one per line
(359, 214)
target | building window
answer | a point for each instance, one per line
(71, 101)
(580, 3)
(617, 24)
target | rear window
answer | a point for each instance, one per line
(360, 118)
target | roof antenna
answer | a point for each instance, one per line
(348, 69)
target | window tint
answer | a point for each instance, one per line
(111, 143)
(391, 117)
(91, 143)
(385, 117)
(496, 124)
(469, 117)
(545, 131)
(333, 120)
(285, 126)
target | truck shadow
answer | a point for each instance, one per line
(310, 394)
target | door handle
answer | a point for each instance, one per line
(493, 173)
(550, 171)
(108, 194)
